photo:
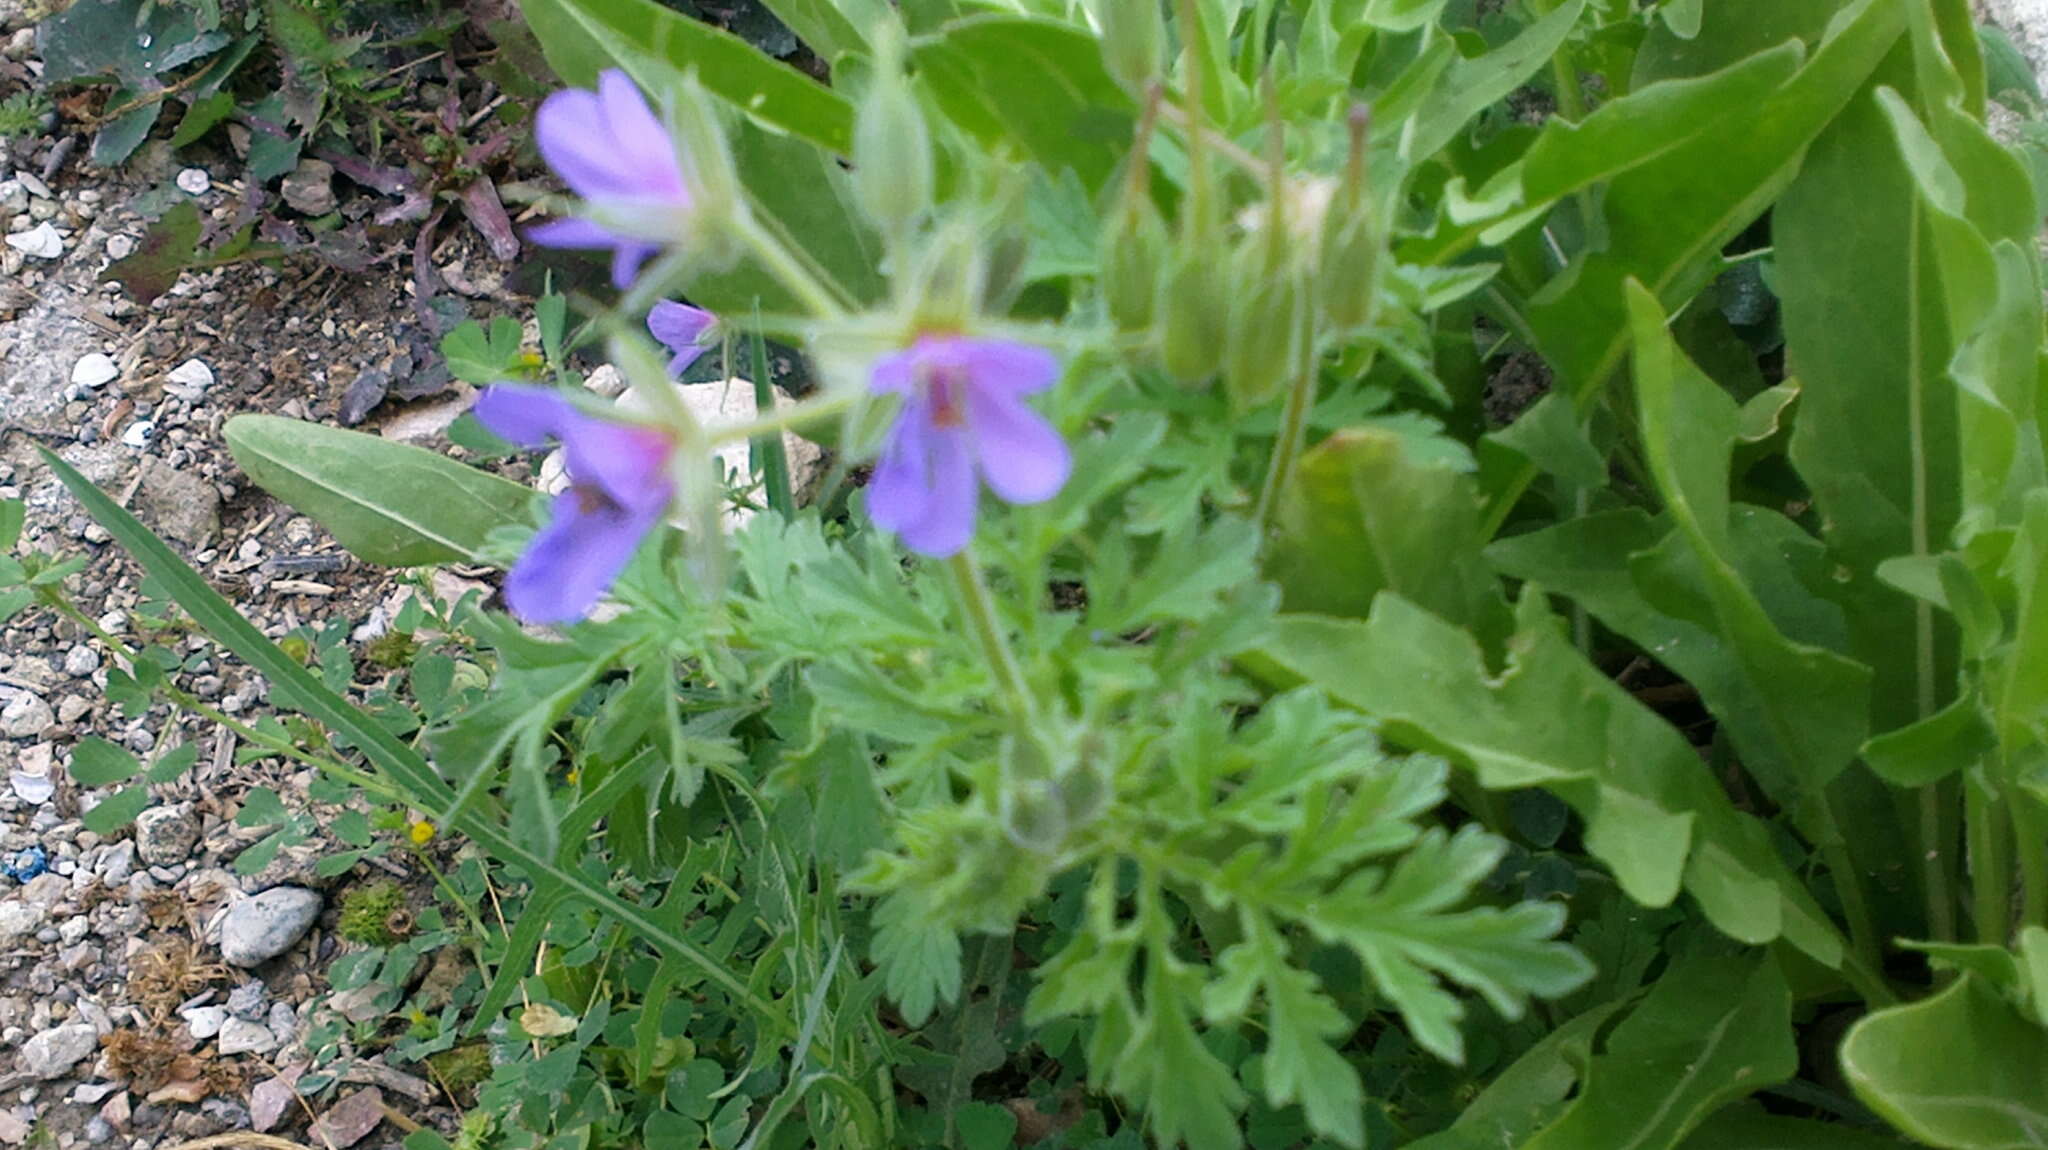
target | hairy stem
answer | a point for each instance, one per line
(979, 606)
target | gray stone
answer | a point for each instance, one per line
(26, 716)
(263, 926)
(205, 1021)
(310, 188)
(55, 1051)
(81, 661)
(178, 504)
(117, 862)
(166, 835)
(248, 1001)
(19, 920)
(240, 1036)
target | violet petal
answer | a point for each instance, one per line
(576, 557)
(528, 416)
(924, 488)
(1022, 457)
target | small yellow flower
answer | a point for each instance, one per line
(422, 832)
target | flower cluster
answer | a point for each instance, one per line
(961, 419)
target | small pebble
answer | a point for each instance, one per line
(94, 370)
(194, 181)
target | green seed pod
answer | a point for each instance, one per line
(1133, 41)
(1195, 316)
(892, 152)
(1133, 252)
(1350, 273)
(718, 204)
(1267, 313)
(1352, 239)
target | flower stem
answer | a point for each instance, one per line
(980, 608)
(794, 416)
(1301, 398)
(791, 272)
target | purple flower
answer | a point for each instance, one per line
(963, 412)
(687, 331)
(612, 150)
(620, 487)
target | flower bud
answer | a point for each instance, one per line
(1133, 41)
(892, 149)
(1194, 315)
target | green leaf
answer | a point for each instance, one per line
(116, 810)
(478, 356)
(261, 809)
(1403, 15)
(1917, 754)
(1713, 1029)
(1469, 86)
(832, 28)
(13, 513)
(388, 503)
(1961, 1070)
(1300, 1064)
(1363, 515)
(800, 191)
(95, 762)
(135, 42)
(581, 37)
(201, 116)
(1530, 1093)
(1654, 815)
(920, 960)
(1036, 85)
(1667, 221)
(985, 1126)
(1647, 124)
(1804, 710)
(1748, 1126)
(117, 139)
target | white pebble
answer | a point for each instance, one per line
(42, 242)
(94, 370)
(194, 181)
(120, 247)
(189, 380)
(139, 433)
(36, 187)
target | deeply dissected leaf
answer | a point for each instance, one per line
(920, 961)
(388, 503)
